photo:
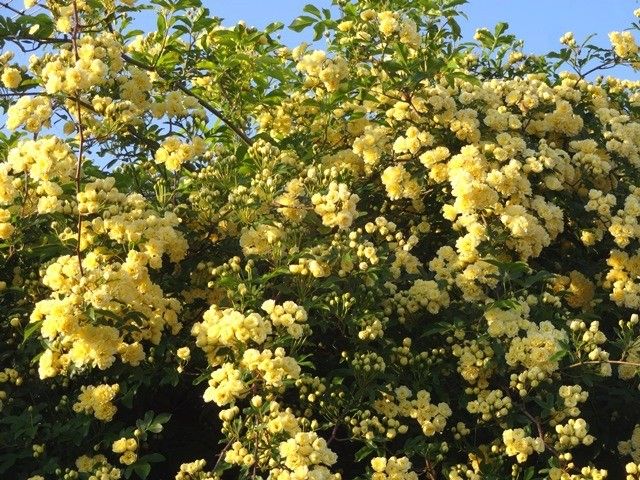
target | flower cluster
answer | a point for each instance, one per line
(97, 400)
(518, 444)
(31, 112)
(624, 44)
(173, 153)
(127, 447)
(396, 468)
(413, 249)
(631, 446)
(321, 70)
(337, 207)
(288, 315)
(305, 456)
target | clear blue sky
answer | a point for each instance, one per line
(539, 22)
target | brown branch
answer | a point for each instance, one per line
(12, 9)
(210, 108)
(221, 455)
(334, 433)
(78, 176)
(205, 104)
(540, 431)
(22, 94)
(597, 362)
(238, 131)
(429, 470)
(32, 38)
(130, 128)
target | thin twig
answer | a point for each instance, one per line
(540, 431)
(32, 38)
(221, 455)
(78, 176)
(237, 130)
(603, 66)
(130, 128)
(334, 433)
(13, 9)
(596, 362)
(205, 104)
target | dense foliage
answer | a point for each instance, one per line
(403, 256)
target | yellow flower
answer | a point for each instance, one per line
(624, 44)
(119, 446)
(378, 464)
(128, 457)
(183, 353)
(97, 400)
(11, 77)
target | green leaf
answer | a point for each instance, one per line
(529, 473)
(500, 28)
(155, 428)
(558, 355)
(201, 378)
(156, 424)
(43, 21)
(162, 418)
(456, 3)
(313, 10)
(7, 461)
(301, 23)
(145, 422)
(540, 276)
(30, 330)
(319, 29)
(47, 251)
(455, 28)
(274, 27)
(161, 24)
(142, 470)
(153, 458)
(364, 452)
(127, 398)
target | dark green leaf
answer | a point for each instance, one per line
(142, 470)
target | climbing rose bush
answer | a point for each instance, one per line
(385, 254)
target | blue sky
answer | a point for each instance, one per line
(539, 22)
